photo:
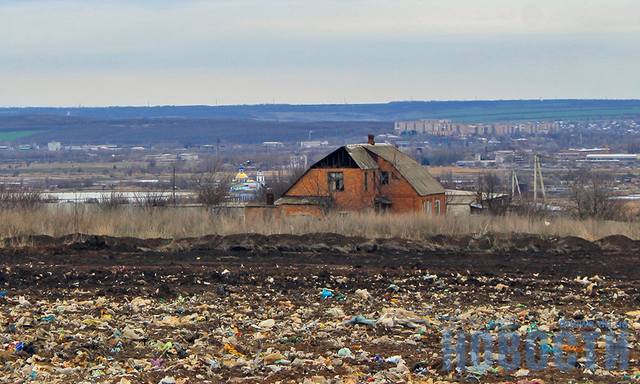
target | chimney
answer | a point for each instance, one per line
(371, 139)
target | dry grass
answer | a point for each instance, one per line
(169, 222)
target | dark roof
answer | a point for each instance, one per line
(417, 175)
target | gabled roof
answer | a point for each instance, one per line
(417, 175)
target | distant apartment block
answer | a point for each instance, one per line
(273, 144)
(314, 144)
(450, 128)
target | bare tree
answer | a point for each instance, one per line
(591, 195)
(112, 201)
(488, 188)
(152, 199)
(212, 185)
(282, 180)
(19, 197)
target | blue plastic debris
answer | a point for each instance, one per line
(326, 293)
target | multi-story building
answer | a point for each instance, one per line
(450, 128)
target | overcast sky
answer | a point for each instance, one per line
(139, 52)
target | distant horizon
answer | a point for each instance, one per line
(310, 104)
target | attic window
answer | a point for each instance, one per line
(384, 178)
(336, 181)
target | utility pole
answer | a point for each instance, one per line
(535, 178)
(544, 192)
(537, 173)
(173, 185)
(515, 185)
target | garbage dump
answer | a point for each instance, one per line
(110, 316)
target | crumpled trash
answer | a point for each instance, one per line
(273, 358)
(230, 349)
(359, 319)
(267, 324)
(394, 359)
(363, 294)
(345, 352)
(392, 317)
(393, 288)
(326, 293)
(48, 318)
(479, 370)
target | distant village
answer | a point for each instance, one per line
(455, 153)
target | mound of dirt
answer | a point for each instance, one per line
(571, 244)
(257, 244)
(618, 243)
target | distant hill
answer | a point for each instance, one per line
(183, 131)
(277, 122)
(486, 111)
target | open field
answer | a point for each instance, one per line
(14, 135)
(248, 308)
(179, 222)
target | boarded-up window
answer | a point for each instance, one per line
(336, 181)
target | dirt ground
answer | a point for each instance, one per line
(316, 308)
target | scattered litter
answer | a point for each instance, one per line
(281, 324)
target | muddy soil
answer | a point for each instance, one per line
(118, 310)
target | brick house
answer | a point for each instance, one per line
(360, 177)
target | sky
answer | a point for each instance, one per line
(183, 52)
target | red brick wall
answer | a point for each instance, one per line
(403, 197)
(301, 210)
(354, 196)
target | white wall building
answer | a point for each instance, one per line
(54, 146)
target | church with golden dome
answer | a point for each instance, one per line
(246, 188)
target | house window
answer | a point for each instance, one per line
(366, 181)
(384, 178)
(336, 181)
(427, 206)
(437, 206)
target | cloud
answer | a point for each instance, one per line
(366, 49)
